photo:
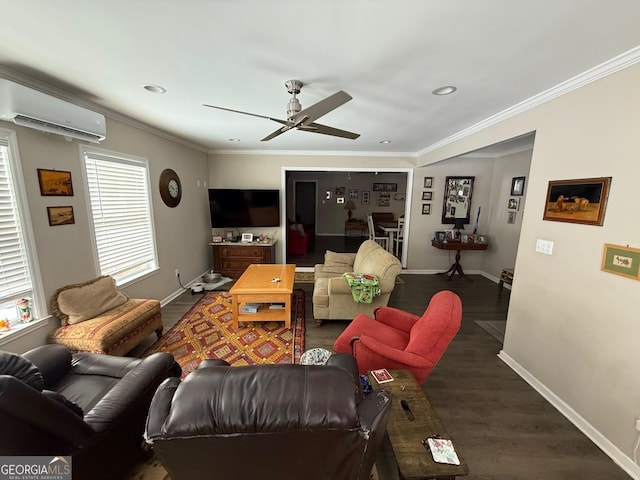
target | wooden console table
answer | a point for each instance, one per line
(458, 247)
(232, 259)
(355, 225)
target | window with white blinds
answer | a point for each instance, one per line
(15, 266)
(121, 214)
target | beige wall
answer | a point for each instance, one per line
(64, 252)
(573, 330)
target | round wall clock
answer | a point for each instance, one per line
(170, 188)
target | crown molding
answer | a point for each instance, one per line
(622, 61)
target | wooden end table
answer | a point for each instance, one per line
(405, 435)
(457, 246)
(256, 285)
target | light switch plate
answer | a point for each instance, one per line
(544, 246)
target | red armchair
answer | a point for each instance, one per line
(399, 340)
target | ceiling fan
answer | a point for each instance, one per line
(304, 119)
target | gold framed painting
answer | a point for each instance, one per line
(60, 216)
(577, 201)
(55, 183)
(621, 260)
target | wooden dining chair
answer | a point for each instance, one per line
(382, 240)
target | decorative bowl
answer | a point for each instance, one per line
(211, 277)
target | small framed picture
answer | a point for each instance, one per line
(247, 237)
(365, 197)
(400, 196)
(450, 234)
(228, 235)
(217, 239)
(482, 239)
(428, 182)
(60, 216)
(426, 209)
(467, 238)
(517, 186)
(514, 203)
(427, 196)
(353, 193)
(441, 236)
(339, 199)
(621, 260)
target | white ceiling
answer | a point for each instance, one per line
(388, 55)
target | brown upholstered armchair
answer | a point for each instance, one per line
(86, 405)
(268, 422)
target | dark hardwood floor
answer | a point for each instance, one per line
(504, 429)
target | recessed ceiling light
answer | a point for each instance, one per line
(444, 90)
(154, 88)
(385, 141)
(234, 139)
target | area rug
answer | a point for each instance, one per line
(494, 328)
(308, 277)
(207, 331)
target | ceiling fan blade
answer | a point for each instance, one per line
(325, 130)
(283, 122)
(321, 108)
(280, 131)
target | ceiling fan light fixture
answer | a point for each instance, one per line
(149, 87)
(446, 90)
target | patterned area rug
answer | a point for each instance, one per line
(207, 331)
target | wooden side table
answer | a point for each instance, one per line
(458, 247)
(355, 225)
(506, 277)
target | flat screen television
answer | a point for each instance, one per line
(236, 208)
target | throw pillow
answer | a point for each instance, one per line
(21, 368)
(58, 397)
(81, 302)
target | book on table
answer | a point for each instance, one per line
(250, 307)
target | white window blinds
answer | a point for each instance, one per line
(121, 213)
(15, 277)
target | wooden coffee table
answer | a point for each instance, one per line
(405, 435)
(257, 285)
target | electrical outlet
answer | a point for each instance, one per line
(177, 273)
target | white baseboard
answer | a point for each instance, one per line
(585, 427)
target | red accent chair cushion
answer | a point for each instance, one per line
(399, 340)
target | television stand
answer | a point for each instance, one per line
(232, 259)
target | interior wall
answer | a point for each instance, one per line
(267, 171)
(64, 252)
(572, 329)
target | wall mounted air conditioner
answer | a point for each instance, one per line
(31, 108)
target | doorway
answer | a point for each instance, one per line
(305, 203)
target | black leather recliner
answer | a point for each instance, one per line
(268, 422)
(87, 405)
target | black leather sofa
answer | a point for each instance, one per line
(87, 405)
(268, 422)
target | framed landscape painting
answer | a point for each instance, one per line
(55, 183)
(577, 201)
